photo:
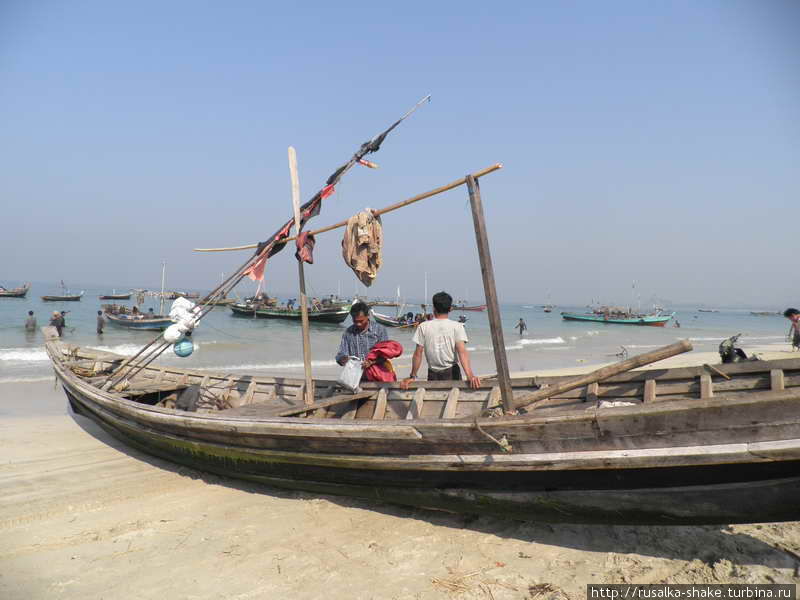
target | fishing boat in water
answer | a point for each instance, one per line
(65, 296)
(336, 313)
(114, 296)
(619, 316)
(478, 308)
(127, 318)
(690, 445)
(18, 292)
(398, 322)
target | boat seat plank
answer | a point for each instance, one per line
(380, 405)
(650, 390)
(776, 380)
(415, 410)
(451, 405)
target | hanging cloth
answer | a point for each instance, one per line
(362, 245)
(305, 247)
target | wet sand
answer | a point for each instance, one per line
(82, 516)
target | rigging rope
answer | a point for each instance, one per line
(264, 250)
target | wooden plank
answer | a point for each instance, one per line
(452, 403)
(350, 412)
(650, 390)
(248, 395)
(380, 405)
(415, 410)
(592, 392)
(600, 374)
(706, 387)
(490, 293)
(776, 380)
(341, 399)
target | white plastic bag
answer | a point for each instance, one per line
(350, 377)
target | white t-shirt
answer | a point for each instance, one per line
(439, 338)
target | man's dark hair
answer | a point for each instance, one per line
(442, 303)
(359, 308)
(790, 312)
(99, 312)
(30, 312)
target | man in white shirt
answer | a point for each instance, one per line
(444, 343)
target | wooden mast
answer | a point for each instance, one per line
(490, 292)
(308, 392)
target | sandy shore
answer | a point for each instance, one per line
(81, 516)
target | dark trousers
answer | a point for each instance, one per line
(451, 374)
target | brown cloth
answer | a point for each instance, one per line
(362, 244)
(305, 247)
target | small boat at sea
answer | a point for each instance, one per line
(336, 313)
(619, 316)
(126, 318)
(65, 296)
(480, 307)
(388, 321)
(708, 310)
(764, 313)
(18, 292)
(114, 296)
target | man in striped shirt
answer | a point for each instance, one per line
(361, 336)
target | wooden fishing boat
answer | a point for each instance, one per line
(481, 307)
(646, 320)
(690, 445)
(221, 302)
(63, 298)
(124, 317)
(764, 313)
(329, 314)
(115, 296)
(387, 321)
(18, 292)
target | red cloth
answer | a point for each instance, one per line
(305, 247)
(383, 371)
(256, 270)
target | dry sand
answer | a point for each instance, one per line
(81, 516)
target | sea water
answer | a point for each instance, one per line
(237, 345)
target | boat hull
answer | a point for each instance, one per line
(647, 321)
(115, 297)
(699, 495)
(723, 459)
(62, 298)
(317, 316)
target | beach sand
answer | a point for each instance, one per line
(82, 516)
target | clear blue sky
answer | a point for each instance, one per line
(647, 141)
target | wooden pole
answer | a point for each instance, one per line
(390, 208)
(308, 392)
(604, 373)
(490, 292)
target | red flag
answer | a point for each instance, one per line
(367, 163)
(326, 191)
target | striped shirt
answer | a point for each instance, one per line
(358, 343)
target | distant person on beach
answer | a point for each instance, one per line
(522, 326)
(56, 321)
(361, 336)
(63, 319)
(794, 330)
(444, 344)
(30, 323)
(677, 323)
(101, 322)
(150, 314)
